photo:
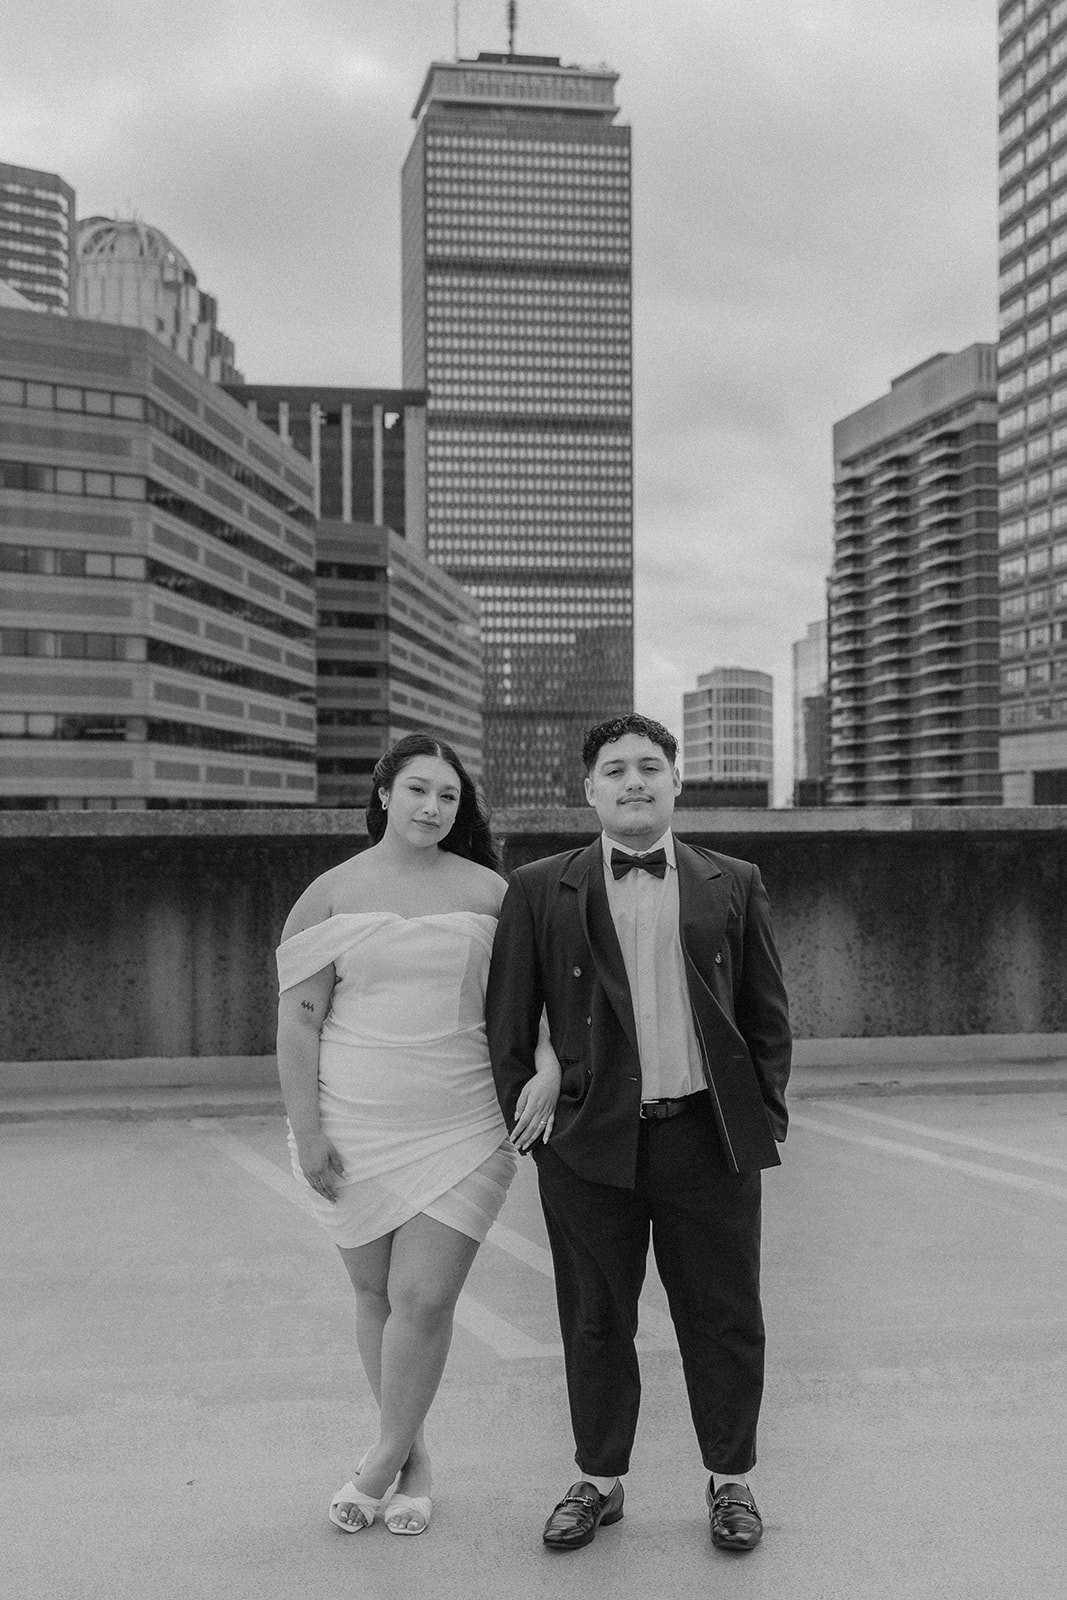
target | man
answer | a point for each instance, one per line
(657, 966)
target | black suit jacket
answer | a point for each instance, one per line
(556, 947)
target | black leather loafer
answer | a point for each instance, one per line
(579, 1514)
(735, 1521)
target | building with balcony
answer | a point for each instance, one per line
(157, 617)
(517, 324)
(398, 640)
(728, 738)
(38, 248)
(809, 716)
(1032, 394)
(131, 274)
(912, 606)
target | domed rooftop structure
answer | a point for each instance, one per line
(131, 239)
(131, 273)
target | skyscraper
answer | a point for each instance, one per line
(728, 732)
(132, 274)
(912, 612)
(517, 323)
(1033, 401)
(38, 255)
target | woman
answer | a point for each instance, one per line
(395, 1130)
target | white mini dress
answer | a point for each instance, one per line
(405, 1087)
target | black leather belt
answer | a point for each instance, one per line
(662, 1110)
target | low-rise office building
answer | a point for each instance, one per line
(157, 643)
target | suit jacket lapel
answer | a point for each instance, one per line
(703, 907)
(586, 876)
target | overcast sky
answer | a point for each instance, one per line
(814, 212)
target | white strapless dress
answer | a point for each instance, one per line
(405, 1086)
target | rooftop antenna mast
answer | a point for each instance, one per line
(512, 9)
(455, 29)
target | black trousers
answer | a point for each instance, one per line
(705, 1228)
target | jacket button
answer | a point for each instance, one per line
(577, 971)
(589, 1022)
(718, 958)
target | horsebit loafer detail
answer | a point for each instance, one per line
(735, 1521)
(579, 1514)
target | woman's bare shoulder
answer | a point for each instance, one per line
(484, 887)
(337, 885)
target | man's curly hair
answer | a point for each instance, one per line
(617, 727)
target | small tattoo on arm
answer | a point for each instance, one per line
(307, 1005)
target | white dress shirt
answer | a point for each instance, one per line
(644, 909)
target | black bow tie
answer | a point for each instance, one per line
(655, 862)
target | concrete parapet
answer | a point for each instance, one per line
(134, 935)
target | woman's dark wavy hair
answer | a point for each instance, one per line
(470, 835)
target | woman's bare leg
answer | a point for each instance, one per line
(428, 1265)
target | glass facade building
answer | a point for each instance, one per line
(38, 245)
(517, 324)
(1032, 394)
(157, 612)
(728, 731)
(913, 602)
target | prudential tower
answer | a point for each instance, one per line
(517, 322)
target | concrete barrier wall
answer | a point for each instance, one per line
(152, 933)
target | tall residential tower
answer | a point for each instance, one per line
(517, 323)
(1033, 401)
(913, 606)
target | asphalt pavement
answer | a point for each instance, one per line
(180, 1393)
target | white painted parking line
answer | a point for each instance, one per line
(967, 1140)
(933, 1158)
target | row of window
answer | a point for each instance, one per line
(47, 643)
(151, 730)
(1034, 711)
(102, 403)
(538, 154)
(515, 448)
(446, 288)
(29, 477)
(70, 563)
(1038, 672)
(70, 480)
(1036, 524)
(533, 251)
(1041, 637)
(71, 397)
(54, 209)
(34, 191)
